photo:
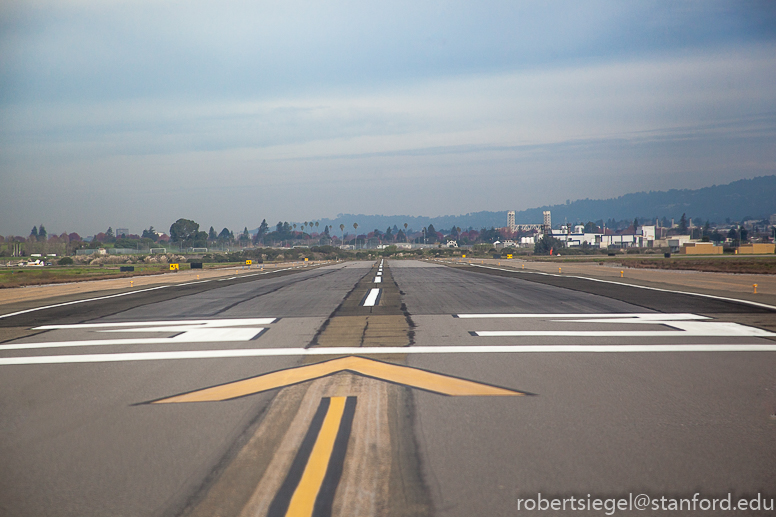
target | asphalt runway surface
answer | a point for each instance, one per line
(598, 396)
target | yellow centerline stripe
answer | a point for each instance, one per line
(303, 500)
(398, 374)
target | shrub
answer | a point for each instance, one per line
(65, 261)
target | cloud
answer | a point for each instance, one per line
(150, 111)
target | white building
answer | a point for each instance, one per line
(677, 241)
(511, 220)
(643, 238)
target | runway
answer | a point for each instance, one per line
(381, 388)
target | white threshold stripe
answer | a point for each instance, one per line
(280, 352)
(208, 336)
(746, 302)
(211, 323)
(378, 279)
(371, 298)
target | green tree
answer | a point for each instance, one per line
(42, 234)
(150, 233)
(355, 228)
(183, 231)
(262, 232)
(683, 224)
(245, 237)
(224, 236)
(211, 234)
(125, 243)
(546, 245)
(34, 233)
(431, 234)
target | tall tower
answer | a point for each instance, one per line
(511, 220)
(547, 221)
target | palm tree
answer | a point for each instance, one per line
(342, 229)
(355, 227)
(405, 233)
(316, 225)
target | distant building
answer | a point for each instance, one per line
(677, 241)
(700, 248)
(122, 231)
(773, 220)
(547, 221)
(511, 220)
(506, 244)
(756, 249)
(648, 232)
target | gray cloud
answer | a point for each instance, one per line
(137, 113)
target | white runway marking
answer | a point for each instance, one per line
(371, 298)
(378, 279)
(620, 315)
(683, 324)
(81, 301)
(192, 336)
(120, 294)
(746, 302)
(361, 351)
(188, 323)
(187, 331)
(707, 332)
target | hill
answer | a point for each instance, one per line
(740, 199)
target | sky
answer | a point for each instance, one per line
(133, 114)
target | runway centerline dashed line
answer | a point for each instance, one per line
(371, 298)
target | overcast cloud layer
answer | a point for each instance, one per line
(131, 114)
